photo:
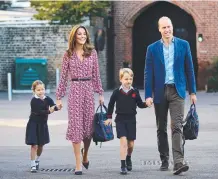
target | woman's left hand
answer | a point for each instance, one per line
(108, 122)
(101, 100)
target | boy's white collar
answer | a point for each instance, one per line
(121, 87)
(39, 97)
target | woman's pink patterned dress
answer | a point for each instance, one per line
(81, 94)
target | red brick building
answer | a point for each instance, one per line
(135, 27)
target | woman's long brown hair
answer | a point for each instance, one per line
(87, 47)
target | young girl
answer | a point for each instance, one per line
(37, 133)
(127, 99)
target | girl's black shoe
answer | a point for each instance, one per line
(78, 172)
(37, 165)
(33, 169)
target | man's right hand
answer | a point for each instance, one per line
(59, 104)
(149, 102)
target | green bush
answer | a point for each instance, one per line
(212, 82)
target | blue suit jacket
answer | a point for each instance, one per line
(155, 70)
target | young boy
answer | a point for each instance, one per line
(127, 99)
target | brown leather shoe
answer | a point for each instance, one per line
(179, 168)
(164, 166)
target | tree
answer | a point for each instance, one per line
(212, 82)
(69, 12)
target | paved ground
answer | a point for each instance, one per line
(201, 154)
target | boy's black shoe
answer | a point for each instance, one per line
(37, 165)
(164, 166)
(128, 164)
(179, 168)
(123, 171)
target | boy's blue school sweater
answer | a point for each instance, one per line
(126, 103)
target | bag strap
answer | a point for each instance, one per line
(96, 143)
(183, 137)
(193, 106)
(101, 108)
(192, 109)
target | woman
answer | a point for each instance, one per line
(80, 64)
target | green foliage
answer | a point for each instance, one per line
(69, 12)
(212, 83)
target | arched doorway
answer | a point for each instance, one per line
(145, 32)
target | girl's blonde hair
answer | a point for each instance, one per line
(125, 70)
(87, 47)
(36, 83)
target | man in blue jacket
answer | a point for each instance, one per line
(168, 67)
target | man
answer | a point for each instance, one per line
(168, 66)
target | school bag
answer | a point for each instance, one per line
(191, 126)
(101, 132)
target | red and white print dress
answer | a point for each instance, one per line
(81, 94)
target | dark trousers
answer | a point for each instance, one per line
(175, 104)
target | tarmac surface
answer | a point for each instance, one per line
(57, 160)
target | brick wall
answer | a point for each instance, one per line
(204, 13)
(38, 41)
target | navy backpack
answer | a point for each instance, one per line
(191, 126)
(101, 133)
